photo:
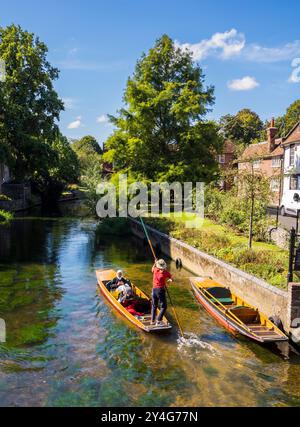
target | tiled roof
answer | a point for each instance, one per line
(261, 150)
(293, 136)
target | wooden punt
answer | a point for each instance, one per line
(233, 313)
(142, 322)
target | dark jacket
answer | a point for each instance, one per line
(116, 282)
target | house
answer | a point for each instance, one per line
(226, 161)
(4, 175)
(267, 158)
(291, 172)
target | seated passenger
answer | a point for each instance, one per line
(119, 280)
(125, 293)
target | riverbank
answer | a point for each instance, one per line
(265, 261)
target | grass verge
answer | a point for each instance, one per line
(264, 260)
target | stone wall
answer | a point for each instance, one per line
(270, 300)
(13, 205)
(294, 311)
(20, 197)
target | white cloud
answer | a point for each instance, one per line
(225, 45)
(232, 43)
(102, 119)
(246, 83)
(76, 124)
(286, 52)
(295, 76)
(70, 103)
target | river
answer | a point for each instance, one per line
(66, 347)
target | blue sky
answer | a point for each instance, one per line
(245, 48)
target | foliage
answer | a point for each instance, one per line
(113, 227)
(4, 198)
(73, 187)
(244, 128)
(29, 105)
(161, 135)
(88, 150)
(265, 261)
(233, 207)
(61, 166)
(213, 201)
(91, 178)
(286, 123)
(5, 216)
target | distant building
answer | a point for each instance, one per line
(4, 175)
(291, 173)
(266, 157)
(226, 161)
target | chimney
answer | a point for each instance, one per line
(271, 132)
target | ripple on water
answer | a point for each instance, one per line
(192, 345)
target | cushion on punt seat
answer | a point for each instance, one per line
(223, 295)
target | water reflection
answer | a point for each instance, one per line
(67, 347)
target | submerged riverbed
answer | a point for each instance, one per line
(66, 347)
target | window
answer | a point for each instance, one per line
(222, 159)
(256, 164)
(295, 182)
(276, 162)
(274, 184)
(292, 155)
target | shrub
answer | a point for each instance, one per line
(214, 200)
(113, 226)
(72, 187)
(5, 216)
(4, 198)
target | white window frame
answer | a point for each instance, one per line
(256, 164)
(276, 162)
(222, 159)
(275, 184)
(292, 150)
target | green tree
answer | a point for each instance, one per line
(29, 105)
(244, 128)
(289, 119)
(60, 167)
(88, 151)
(161, 134)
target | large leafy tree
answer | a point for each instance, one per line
(29, 105)
(89, 154)
(86, 145)
(243, 128)
(88, 151)
(60, 167)
(289, 119)
(161, 133)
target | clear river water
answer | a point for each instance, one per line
(66, 347)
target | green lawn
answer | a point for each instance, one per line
(266, 261)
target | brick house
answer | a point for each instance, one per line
(267, 158)
(226, 161)
(291, 171)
